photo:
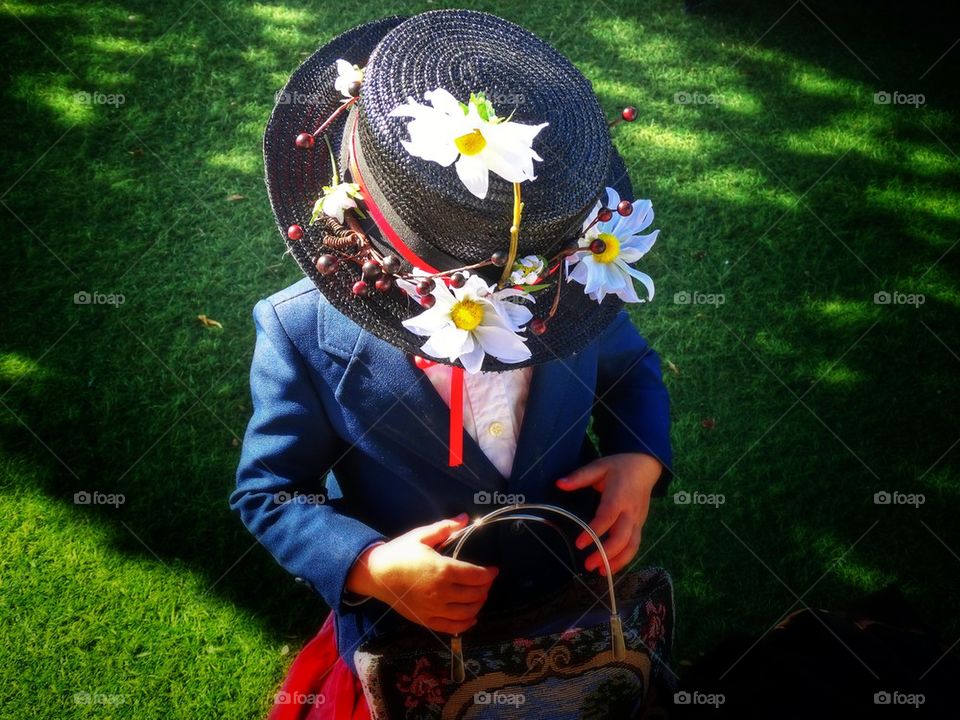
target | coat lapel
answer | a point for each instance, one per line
(549, 387)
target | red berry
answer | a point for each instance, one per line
(354, 88)
(428, 301)
(391, 263)
(499, 258)
(604, 215)
(426, 286)
(360, 288)
(371, 269)
(625, 207)
(538, 326)
(294, 232)
(597, 246)
(305, 141)
(629, 114)
(384, 283)
(458, 280)
(326, 264)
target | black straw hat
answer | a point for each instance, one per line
(424, 203)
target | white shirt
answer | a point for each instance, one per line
(493, 405)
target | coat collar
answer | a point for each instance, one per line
(381, 384)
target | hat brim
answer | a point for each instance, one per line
(295, 178)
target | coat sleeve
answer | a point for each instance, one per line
(288, 447)
(632, 410)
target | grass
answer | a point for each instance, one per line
(781, 186)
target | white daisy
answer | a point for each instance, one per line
(472, 136)
(335, 200)
(527, 270)
(347, 74)
(466, 323)
(609, 271)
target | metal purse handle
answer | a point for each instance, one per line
(618, 646)
(503, 518)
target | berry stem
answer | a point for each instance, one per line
(329, 120)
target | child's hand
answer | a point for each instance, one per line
(625, 482)
(421, 584)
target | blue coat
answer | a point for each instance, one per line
(347, 445)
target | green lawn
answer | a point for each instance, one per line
(780, 184)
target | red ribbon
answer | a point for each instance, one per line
(456, 409)
(456, 379)
(456, 417)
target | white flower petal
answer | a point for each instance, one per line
(474, 174)
(449, 342)
(430, 140)
(637, 221)
(503, 344)
(589, 218)
(473, 360)
(613, 199)
(634, 248)
(444, 102)
(644, 278)
(428, 322)
(579, 273)
(515, 316)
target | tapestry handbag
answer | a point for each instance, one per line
(596, 650)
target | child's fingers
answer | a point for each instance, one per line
(582, 477)
(437, 532)
(464, 573)
(616, 542)
(607, 514)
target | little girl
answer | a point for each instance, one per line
(448, 185)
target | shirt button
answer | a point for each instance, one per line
(496, 428)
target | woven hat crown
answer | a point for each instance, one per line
(525, 79)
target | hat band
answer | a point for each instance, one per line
(383, 216)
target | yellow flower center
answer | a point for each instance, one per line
(612, 250)
(467, 314)
(471, 143)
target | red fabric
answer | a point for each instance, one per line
(456, 417)
(319, 685)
